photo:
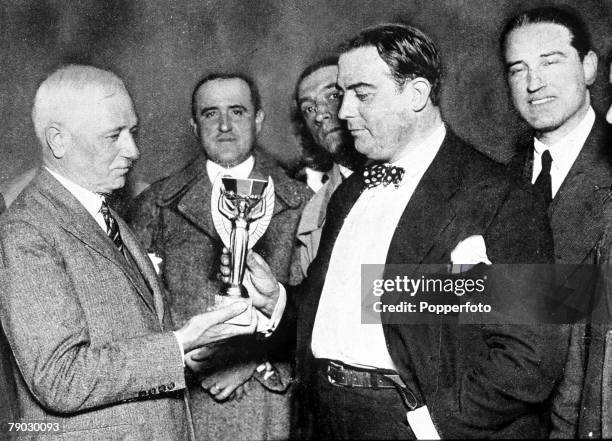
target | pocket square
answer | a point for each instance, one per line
(469, 253)
(156, 261)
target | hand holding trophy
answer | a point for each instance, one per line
(241, 211)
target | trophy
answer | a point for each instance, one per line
(241, 210)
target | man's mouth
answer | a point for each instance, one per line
(540, 101)
(332, 130)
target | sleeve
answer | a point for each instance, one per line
(49, 334)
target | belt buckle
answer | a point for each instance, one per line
(338, 368)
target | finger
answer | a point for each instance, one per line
(225, 259)
(225, 393)
(202, 353)
(227, 312)
(224, 271)
(208, 382)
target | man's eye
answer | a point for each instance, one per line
(335, 96)
(237, 112)
(134, 132)
(550, 62)
(209, 114)
(114, 136)
(515, 70)
(362, 96)
(307, 110)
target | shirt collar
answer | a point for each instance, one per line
(240, 171)
(568, 148)
(345, 171)
(90, 200)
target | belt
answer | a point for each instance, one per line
(340, 374)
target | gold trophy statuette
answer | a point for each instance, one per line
(241, 211)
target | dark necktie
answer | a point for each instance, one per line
(385, 174)
(543, 183)
(112, 229)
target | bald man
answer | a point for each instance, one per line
(93, 350)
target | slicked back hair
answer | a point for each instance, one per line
(255, 97)
(561, 15)
(407, 51)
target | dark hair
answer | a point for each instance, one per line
(255, 97)
(408, 52)
(561, 15)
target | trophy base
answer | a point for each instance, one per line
(242, 319)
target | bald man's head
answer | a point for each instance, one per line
(85, 122)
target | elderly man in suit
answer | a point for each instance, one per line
(317, 100)
(81, 306)
(428, 198)
(173, 220)
(550, 66)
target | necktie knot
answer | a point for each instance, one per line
(112, 228)
(385, 174)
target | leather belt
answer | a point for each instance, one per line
(340, 374)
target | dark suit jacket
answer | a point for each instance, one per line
(91, 341)
(580, 214)
(477, 381)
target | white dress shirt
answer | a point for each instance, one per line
(240, 171)
(365, 237)
(563, 152)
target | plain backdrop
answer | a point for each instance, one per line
(162, 47)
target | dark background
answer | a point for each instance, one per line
(162, 47)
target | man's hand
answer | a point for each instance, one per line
(234, 380)
(209, 327)
(258, 279)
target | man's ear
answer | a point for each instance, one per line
(57, 140)
(194, 128)
(259, 119)
(421, 89)
(589, 66)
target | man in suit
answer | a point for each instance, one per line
(80, 304)
(550, 66)
(322, 133)
(429, 198)
(173, 219)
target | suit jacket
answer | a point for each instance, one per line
(578, 221)
(477, 381)
(172, 219)
(89, 333)
(313, 217)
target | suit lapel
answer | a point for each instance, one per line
(429, 210)
(144, 266)
(576, 212)
(75, 219)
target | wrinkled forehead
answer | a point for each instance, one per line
(322, 78)
(224, 92)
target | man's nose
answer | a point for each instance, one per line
(347, 108)
(130, 149)
(322, 112)
(225, 124)
(534, 80)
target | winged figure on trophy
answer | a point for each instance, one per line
(241, 211)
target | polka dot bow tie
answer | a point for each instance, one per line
(385, 174)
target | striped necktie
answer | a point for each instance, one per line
(112, 229)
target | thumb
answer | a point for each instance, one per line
(227, 312)
(257, 265)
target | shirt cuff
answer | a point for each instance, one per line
(421, 424)
(265, 325)
(180, 347)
